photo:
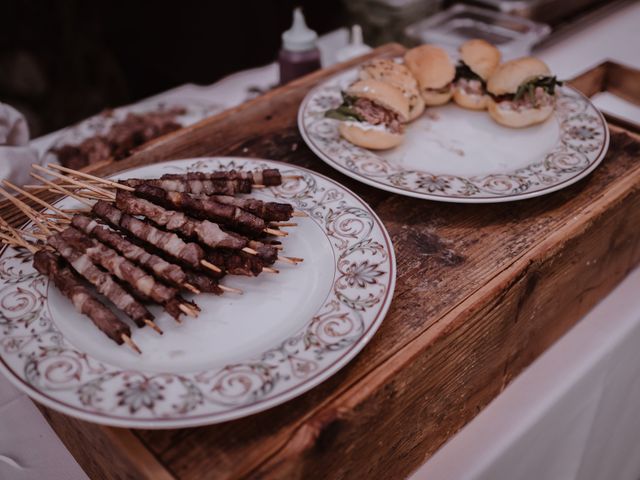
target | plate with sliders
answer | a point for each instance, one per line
(466, 130)
(187, 292)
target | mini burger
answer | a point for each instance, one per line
(478, 60)
(434, 71)
(372, 114)
(522, 92)
(399, 76)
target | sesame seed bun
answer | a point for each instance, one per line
(510, 75)
(398, 76)
(518, 118)
(470, 101)
(431, 66)
(382, 94)
(374, 139)
(480, 56)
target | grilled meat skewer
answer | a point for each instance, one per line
(103, 282)
(168, 272)
(206, 232)
(188, 253)
(268, 211)
(119, 266)
(268, 177)
(205, 209)
(49, 264)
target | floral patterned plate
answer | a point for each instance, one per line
(451, 154)
(101, 124)
(243, 354)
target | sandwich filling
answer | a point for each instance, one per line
(468, 81)
(536, 93)
(365, 111)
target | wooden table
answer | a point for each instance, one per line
(482, 290)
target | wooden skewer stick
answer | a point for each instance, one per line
(34, 198)
(291, 260)
(250, 251)
(276, 233)
(127, 339)
(278, 247)
(298, 213)
(26, 209)
(53, 173)
(153, 325)
(283, 224)
(35, 236)
(60, 189)
(18, 242)
(92, 177)
(270, 270)
(187, 310)
(191, 288)
(292, 177)
(94, 196)
(224, 288)
(210, 266)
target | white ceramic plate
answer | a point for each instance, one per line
(452, 154)
(101, 124)
(243, 354)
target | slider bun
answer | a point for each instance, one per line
(472, 102)
(396, 75)
(431, 66)
(518, 119)
(382, 94)
(510, 75)
(434, 98)
(369, 138)
(481, 57)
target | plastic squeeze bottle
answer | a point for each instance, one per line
(299, 54)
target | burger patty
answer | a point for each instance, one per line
(540, 98)
(375, 114)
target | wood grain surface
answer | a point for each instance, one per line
(482, 290)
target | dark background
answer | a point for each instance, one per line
(62, 61)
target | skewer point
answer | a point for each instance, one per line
(153, 325)
(127, 339)
(191, 288)
(277, 233)
(224, 288)
(210, 266)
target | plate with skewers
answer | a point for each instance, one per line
(188, 292)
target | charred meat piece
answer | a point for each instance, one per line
(103, 282)
(206, 232)
(82, 298)
(268, 211)
(206, 209)
(163, 270)
(188, 253)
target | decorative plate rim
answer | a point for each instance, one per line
(443, 197)
(290, 393)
